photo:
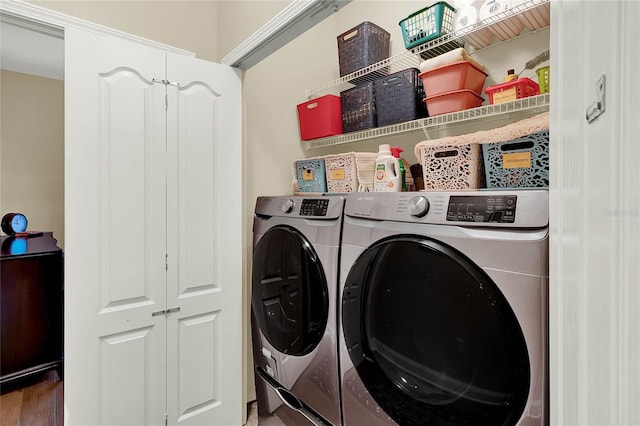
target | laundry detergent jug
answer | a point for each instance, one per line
(387, 176)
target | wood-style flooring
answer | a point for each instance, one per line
(39, 401)
(35, 401)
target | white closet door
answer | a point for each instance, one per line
(595, 215)
(115, 203)
(204, 243)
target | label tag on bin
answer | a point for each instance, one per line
(516, 160)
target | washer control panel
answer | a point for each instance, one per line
(526, 208)
(485, 208)
(314, 207)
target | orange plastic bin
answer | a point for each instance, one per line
(457, 100)
(456, 76)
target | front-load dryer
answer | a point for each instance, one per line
(444, 308)
(294, 307)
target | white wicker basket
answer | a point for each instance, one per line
(447, 167)
(350, 172)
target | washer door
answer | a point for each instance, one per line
(289, 291)
(432, 338)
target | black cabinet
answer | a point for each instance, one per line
(32, 306)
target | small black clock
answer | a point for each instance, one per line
(13, 223)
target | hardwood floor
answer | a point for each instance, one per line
(36, 401)
(39, 401)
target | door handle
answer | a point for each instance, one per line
(597, 108)
(165, 311)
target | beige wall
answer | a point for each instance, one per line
(32, 150)
(189, 25)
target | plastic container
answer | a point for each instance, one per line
(311, 175)
(320, 117)
(350, 172)
(465, 17)
(361, 46)
(426, 24)
(457, 100)
(447, 167)
(399, 97)
(452, 77)
(406, 178)
(518, 163)
(387, 177)
(543, 79)
(516, 89)
(359, 108)
(511, 76)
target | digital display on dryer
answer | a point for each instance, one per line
(482, 208)
(314, 207)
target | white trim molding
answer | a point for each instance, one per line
(53, 23)
(292, 21)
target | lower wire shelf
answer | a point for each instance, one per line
(518, 109)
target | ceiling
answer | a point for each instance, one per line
(31, 49)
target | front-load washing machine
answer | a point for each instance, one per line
(444, 308)
(294, 307)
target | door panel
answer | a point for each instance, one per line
(197, 106)
(131, 169)
(115, 199)
(198, 389)
(121, 388)
(204, 244)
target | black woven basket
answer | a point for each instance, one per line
(358, 108)
(362, 46)
(399, 97)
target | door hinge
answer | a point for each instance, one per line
(170, 83)
(165, 311)
(166, 262)
(166, 420)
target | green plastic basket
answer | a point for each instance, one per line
(426, 24)
(543, 79)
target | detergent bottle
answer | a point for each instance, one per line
(395, 151)
(511, 75)
(387, 171)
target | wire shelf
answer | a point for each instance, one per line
(518, 108)
(412, 58)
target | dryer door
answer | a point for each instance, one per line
(432, 338)
(289, 291)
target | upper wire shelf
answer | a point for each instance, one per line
(412, 58)
(524, 106)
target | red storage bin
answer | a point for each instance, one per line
(512, 90)
(450, 77)
(320, 117)
(457, 100)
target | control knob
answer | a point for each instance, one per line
(418, 206)
(287, 206)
